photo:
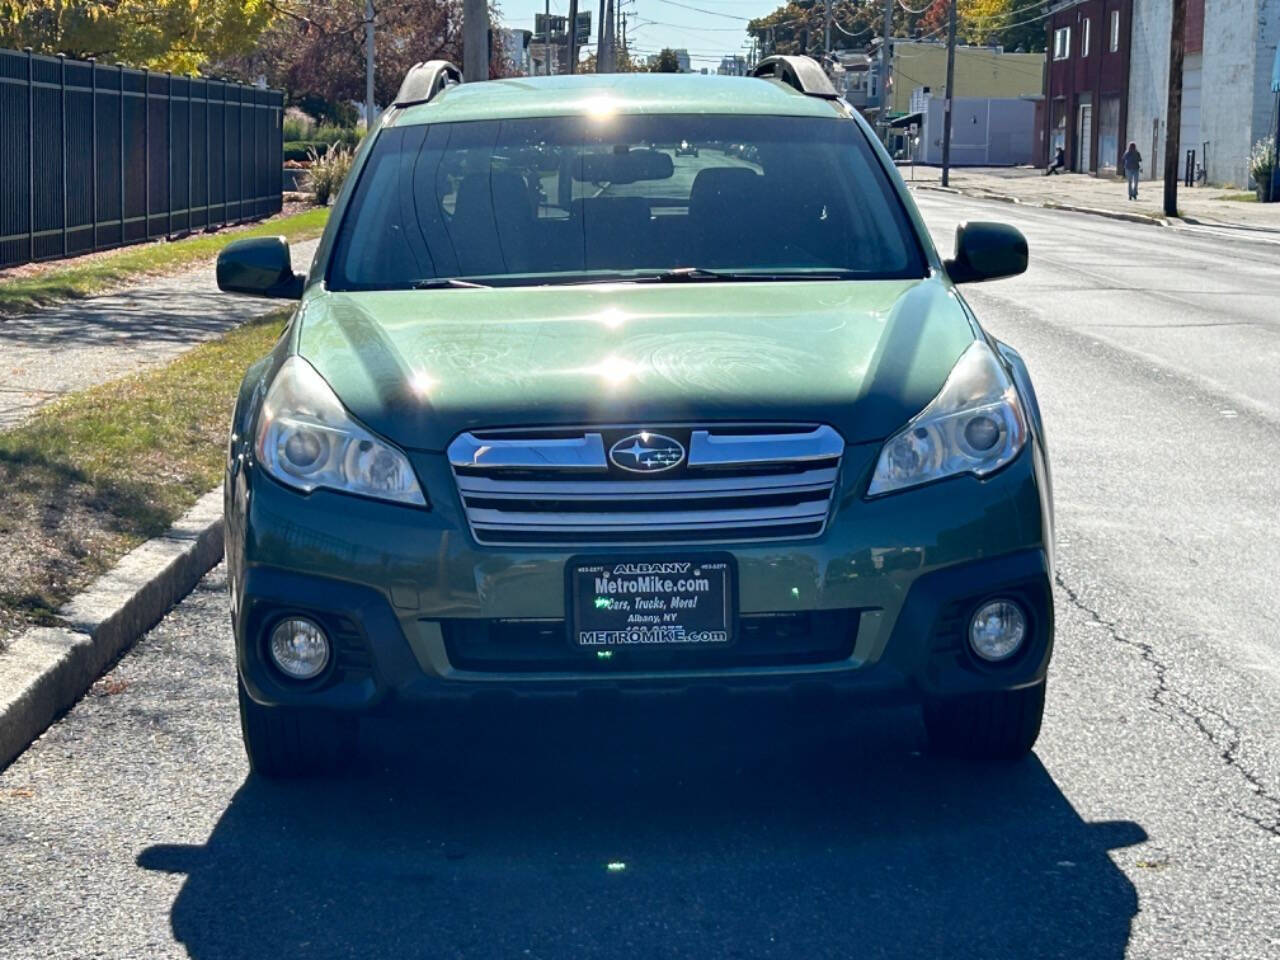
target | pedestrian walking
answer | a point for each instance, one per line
(1059, 162)
(1132, 169)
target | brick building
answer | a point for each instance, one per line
(1086, 96)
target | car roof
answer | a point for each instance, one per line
(616, 93)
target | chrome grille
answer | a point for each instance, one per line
(557, 488)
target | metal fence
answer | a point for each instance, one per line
(94, 157)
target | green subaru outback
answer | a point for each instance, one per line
(567, 406)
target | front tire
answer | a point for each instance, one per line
(288, 742)
(1000, 727)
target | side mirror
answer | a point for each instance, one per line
(259, 266)
(987, 251)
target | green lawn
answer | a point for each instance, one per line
(94, 474)
(64, 281)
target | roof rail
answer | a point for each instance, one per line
(803, 73)
(425, 80)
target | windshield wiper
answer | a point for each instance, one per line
(696, 274)
(447, 283)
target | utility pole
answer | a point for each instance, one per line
(826, 48)
(600, 39)
(475, 40)
(947, 104)
(369, 108)
(573, 36)
(884, 67)
(1173, 117)
(606, 54)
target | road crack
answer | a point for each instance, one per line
(1210, 723)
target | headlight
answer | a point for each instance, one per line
(307, 440)
(975, 425)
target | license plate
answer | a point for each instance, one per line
(636, 605)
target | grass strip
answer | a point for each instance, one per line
(94, 474)
(99, 272)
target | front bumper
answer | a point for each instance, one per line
(397, 588)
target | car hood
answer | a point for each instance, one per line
(419, 367)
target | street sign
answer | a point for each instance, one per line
(543, 23)
(559, 28)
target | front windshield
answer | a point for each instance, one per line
(580, 198)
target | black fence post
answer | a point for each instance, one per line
(208, 149)
(31, 156)
(224, 152)
(62, 92)
(253, 123)
(93, 175)
(120, 73)
(191, 160)
(146, 151)
(168, 149)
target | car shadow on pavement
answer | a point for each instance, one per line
(668, 827)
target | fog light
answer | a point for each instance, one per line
(299, 648)
(997, 630)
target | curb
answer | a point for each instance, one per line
(1269, 231)
(47, 669)
(1054, 205)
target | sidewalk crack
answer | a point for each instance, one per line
(1224, 736)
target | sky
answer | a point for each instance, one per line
(714, 29)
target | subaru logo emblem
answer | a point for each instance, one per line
(646, 452)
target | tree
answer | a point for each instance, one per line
(1001, 22)
(177, 35)
(666, 62)
(315, 48)
(798, 26)
(625, 63)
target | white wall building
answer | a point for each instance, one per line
(1226, 97)
(985, 131)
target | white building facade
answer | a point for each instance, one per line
(1227, 103)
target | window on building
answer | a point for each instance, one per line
(1084, 39)
(1062, 43)
(1115, 30)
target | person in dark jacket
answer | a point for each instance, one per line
(1059, 162)
(1132, 162)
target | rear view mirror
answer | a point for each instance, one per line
(626, 166)
(987, 251)
(259, 266)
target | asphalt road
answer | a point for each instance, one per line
(1147, 824)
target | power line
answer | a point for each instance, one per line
(645, 22)
(836, 23)
(710, 13)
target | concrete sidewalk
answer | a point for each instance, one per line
(1107, 195)
(79, 344)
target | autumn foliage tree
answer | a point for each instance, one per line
(315, 49)
(177, 35)
(798, 26)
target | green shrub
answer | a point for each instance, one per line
(298, 125)
(331, 134)
(302, 149)
(1262, 160)
(327, 172)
